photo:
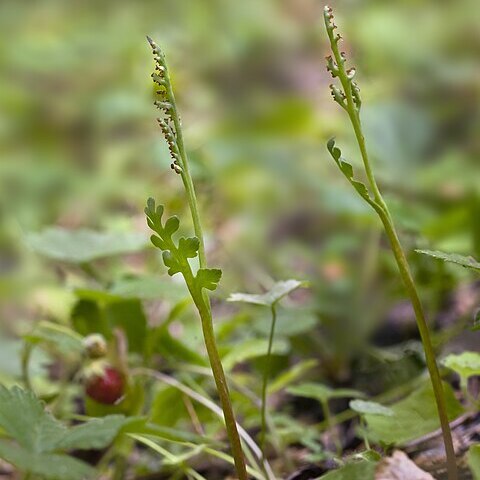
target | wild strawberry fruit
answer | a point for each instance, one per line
(106, 387)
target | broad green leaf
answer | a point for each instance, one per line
(96, 295)
(106, 313)
(149, 288)
(322, 393)
(130, 317)
(23, 417)
(290, 322)
(95, 434)
(361, 470)
(81, 246)
(63, 338)
(38, 432)
(253, 348)
(174, 349)
(467, 262)
(473, 459)
(51, 466)
(276, 293)
(87, 317)
(373, 408)
(413, 416)
(208, 278)
(466, 364)
(145, 287)
(168, 407)
(10, 360)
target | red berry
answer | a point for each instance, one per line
(106, 388)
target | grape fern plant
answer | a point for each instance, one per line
(176, 254)
(348, 97)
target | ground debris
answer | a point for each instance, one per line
(400, 467)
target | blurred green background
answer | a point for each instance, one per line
(80, 147)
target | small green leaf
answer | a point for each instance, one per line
(95, 434)
(466, 364)
(154, 215)
(334, 151)
(171, 225)
(189, 246)
(208, 278)
(275, 294)
(467, 262)
(473, 459)
(158, 242)
(372, 408)
(347, 169)
(81, 246)
(322, 393)
(171, 263)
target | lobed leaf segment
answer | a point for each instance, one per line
(176, 255)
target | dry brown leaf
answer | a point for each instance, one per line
(399, 467)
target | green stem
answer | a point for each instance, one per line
(328, 419)
(186, 176)
(427, 345)
(365, 436)
(205, 312)
(266, 375)
(382, 210)
(200, 298)
(26, 355)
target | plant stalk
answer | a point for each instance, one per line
(202, 300)
(203, 306)
(266, 375)
(331, 427)
(382, 210)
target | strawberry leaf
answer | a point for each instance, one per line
(39, 438)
